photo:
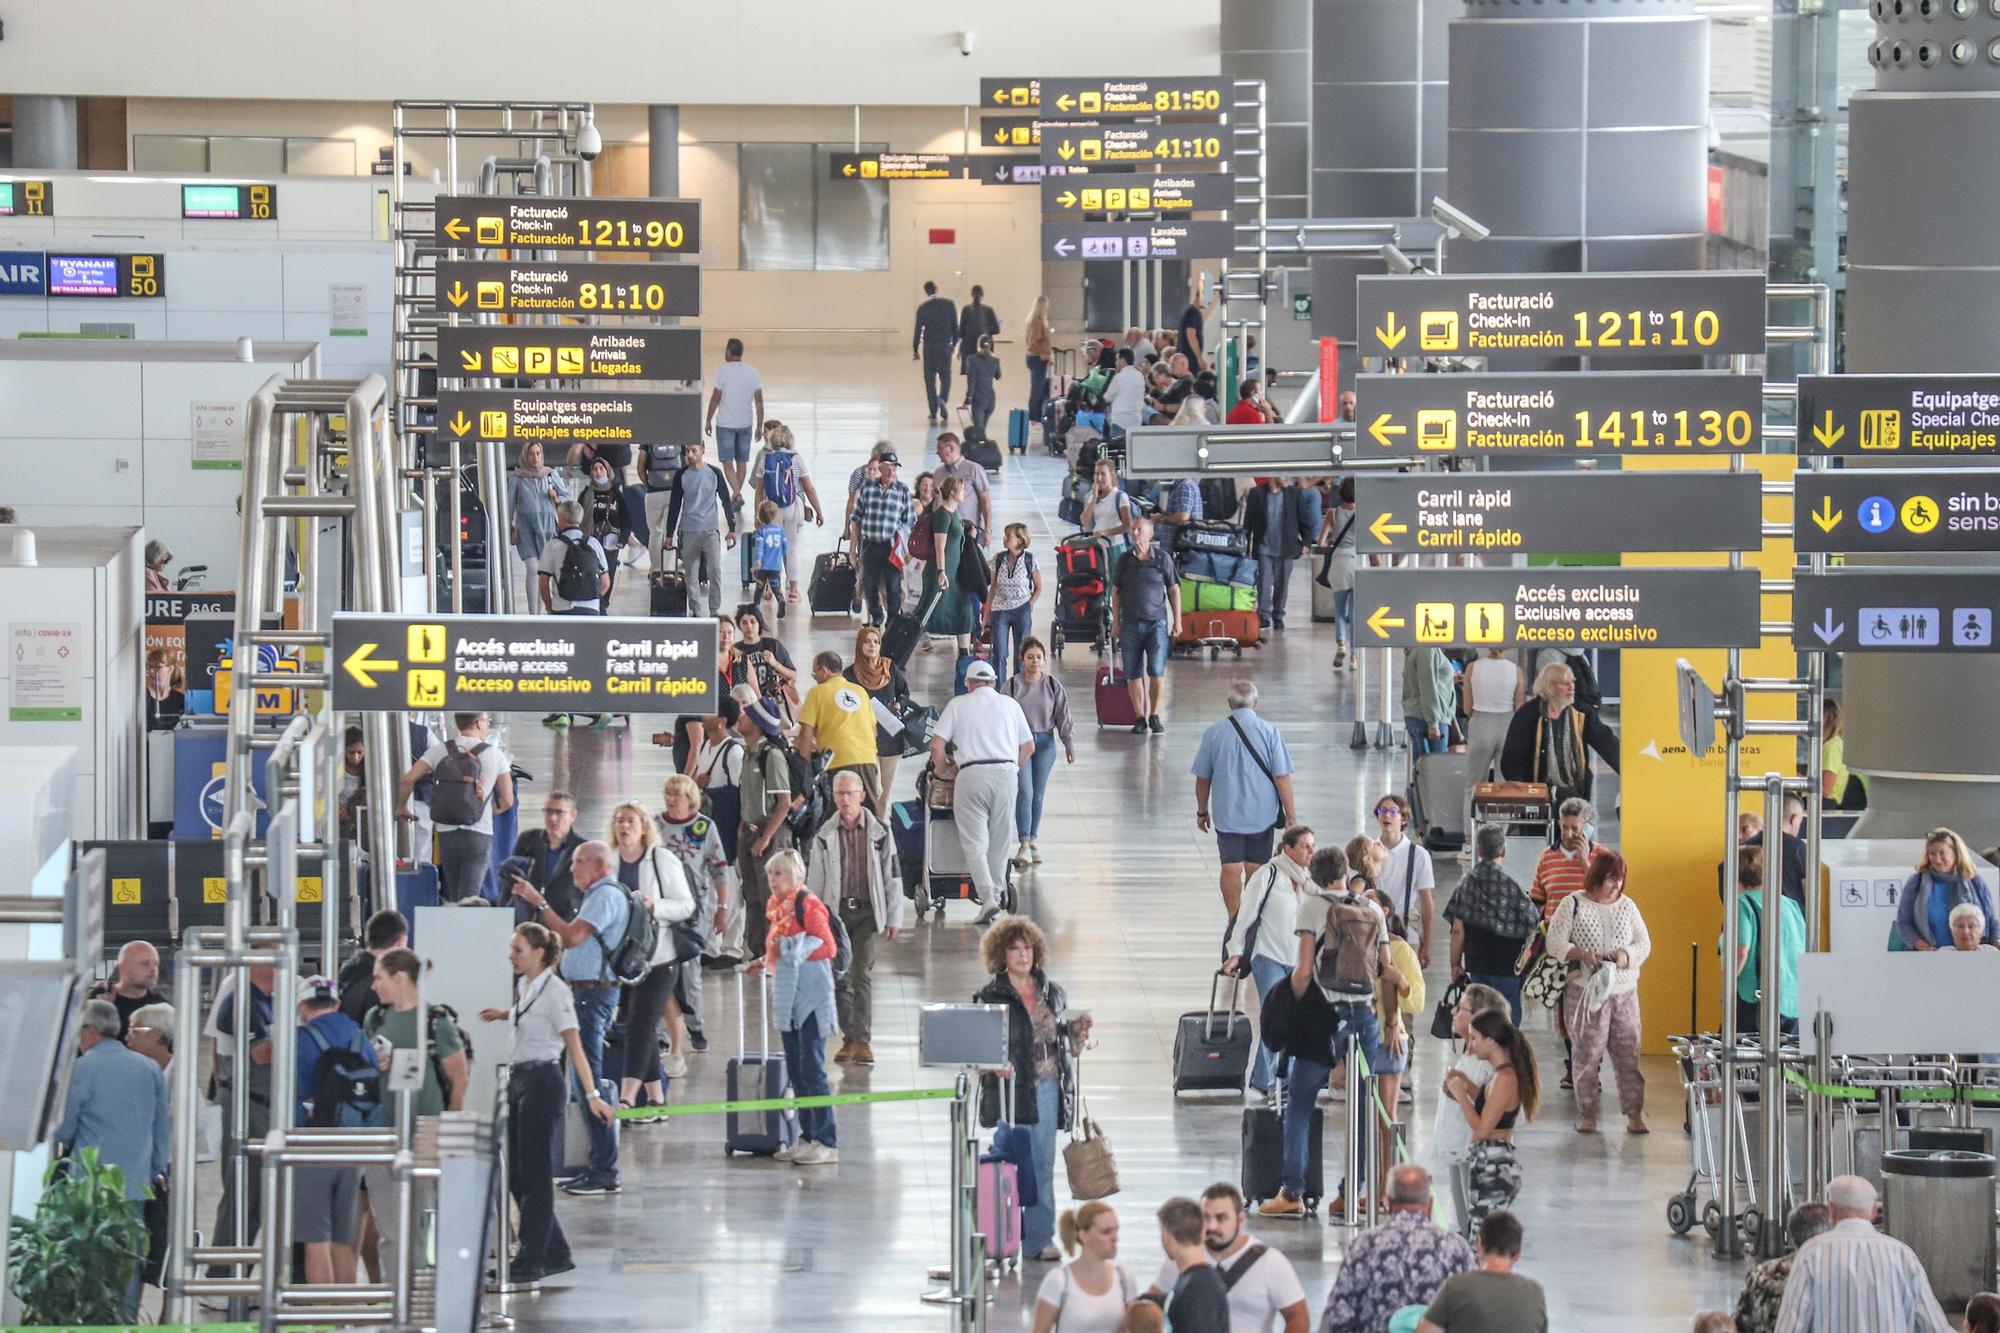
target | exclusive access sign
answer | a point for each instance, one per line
(553, 222)
(558, 418)
(1927, 418)
(570, 351)
(1872, 510)
(1557, 512)
(1690, 413)
(1138, 240)
(522, 287)
(1578, 314)
(1640, 607)
(1897, 610)
(584, 664)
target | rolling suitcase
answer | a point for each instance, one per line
(906, 630)
(999, 1208)
(1114, 701)
(1213, 1046)
(1017, 430)
(757, 1077)
(831, 591)
(1218, 631)
(1264, 1155)
(667, 593)
(1439, 801)
(984, 451)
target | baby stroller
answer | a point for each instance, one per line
(1083, 593)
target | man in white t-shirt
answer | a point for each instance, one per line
(1407, 875)
(1264, 1291)
(990, 741)
(735, 413)
(1124, 397)
(570, 533)
(460, 789)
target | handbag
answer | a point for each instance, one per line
(1542, 973)
(1087, 1159)
(1447, 1005)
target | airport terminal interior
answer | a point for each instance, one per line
(1001, 667)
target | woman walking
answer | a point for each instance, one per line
(1108, 513)
(533, 491)
(1010, 602)
(952, 613)
(1041, 346)
(1090, 1292)
(1493, 1173)
(606, 516)
(1493, 689)
(783, 479)
(651, 872)
(768, 661)
(883, 681)
(1264, 930)
(1602, 937)
(982, 372)
(1399, 998)
(1046, 705)
(798, 953)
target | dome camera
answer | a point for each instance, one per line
(589, 143)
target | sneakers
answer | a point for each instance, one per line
(600, 722)
(1340, 655)
(1034, 852)
(569, 1173)
(1154, 724)
(1048, 1254)
(816, 1154)
(1139, 727)
(674, 1066)
(589, 1186)
(697, 1039)
(987, 916)
(789, 1151)
(1022, 860)
(558, 721)
(1286, 1204)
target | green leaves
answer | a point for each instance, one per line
(73, 1262)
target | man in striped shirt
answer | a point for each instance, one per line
(883, 511)
(1854, 1279)
(1560, 871)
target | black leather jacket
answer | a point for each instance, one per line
(1021, 1054)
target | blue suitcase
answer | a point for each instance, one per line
(1017, 430)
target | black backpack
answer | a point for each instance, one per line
(1218, 499)
(458, 797)
(812, 799)
(577, 580)
(437, 1013)
(632, 956)
(349, 1090)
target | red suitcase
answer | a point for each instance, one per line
(1114, 701)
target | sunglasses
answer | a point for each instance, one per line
(1386, 810)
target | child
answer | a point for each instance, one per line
(767, 555)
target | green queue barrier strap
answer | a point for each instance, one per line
(1988, 1096)
(782, 1104)
(142, 1328)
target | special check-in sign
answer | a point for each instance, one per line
(1577, 314)
(1691, 413)
(558, 418)
(585, 664)
(1639, 607)
(1913, 418)
(1559, 512)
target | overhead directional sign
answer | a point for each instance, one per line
(1917, 417)
(1197, 192)
(1895, 610)
(1689, 413)
(1014, 94)
(1640, 607)
(1557, 512)
(1138, 240)
(559, 418)
(554, 222)
(518, 287)
(1922, 509)
(585, 664)
(898, 166)
(1576, 314)
(1014, 131)
(1137, 97)
(1011, 169)
(1135, 145)
(570, 351)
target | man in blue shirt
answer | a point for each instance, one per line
(325, 1199)
(1242, 789)
(586, 966)
(118, 1105)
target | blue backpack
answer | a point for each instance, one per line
(350, 1091)
(780, 478)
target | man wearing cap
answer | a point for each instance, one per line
(325, 1199)
(987, 734)
(883, 512)
(766, 796)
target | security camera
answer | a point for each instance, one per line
(589, 143)
(1396, 261)
(965, 42)
(1456, 223)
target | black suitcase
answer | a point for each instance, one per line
(1264, 1155)
(668, 595)
(757, 1077)
(984, 451)
(906, 630)
(831, 590)
(1213, 1046)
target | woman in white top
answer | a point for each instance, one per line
(1271, 909)
(1107, 511)
(1596, 929)
(659, 880)
(1494, 688)
(1090, 1292)
(1451, 1134)
(545, 1034)
(804, 500)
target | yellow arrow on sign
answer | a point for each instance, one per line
(847, 168)
(1000, 135)
(1000, 97)
(1382, 527)
(362, 667)
(459, 425)
(1067, 199)
(1381, 430)
(470, 360)
(1392, 336)
(1064, 102)
(1382, 622)
(1828, 517)
(457, 295)
(1066, 150)
(1825, 433)
(455, 229)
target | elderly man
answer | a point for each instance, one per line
(1402, 1262)
(883, 511)
(987, 735)
(1242, 789)
(1854, 1279)
(131, 987)
(853, 870)
(1764, 1289)
(118, 1105)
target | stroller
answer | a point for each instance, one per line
(1083, 592)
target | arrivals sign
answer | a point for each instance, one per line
(570, 351)
(1692, 413)
(556, 222)
(1565, 608)
(1895, 610)
(1877, 510)
(1915, 417)
(1198, 192)
(1138, 240)
(1137, 97)
(1588, 314)
(530, 664)
(562, 287)
(898, 166)
(1555, 512)
(1134, 145)
(558, 418)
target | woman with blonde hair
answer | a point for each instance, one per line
(783, 478)
(1010, 600)
(1041, 339)
(1945, 878)
(1090, 1292)
(655, 875)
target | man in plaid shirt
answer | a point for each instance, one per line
(883, 512)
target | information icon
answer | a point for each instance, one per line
(1877, 514)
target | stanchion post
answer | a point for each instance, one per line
(1357, 1125)
(1770, 1238)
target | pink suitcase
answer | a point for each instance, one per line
(1000, 1211)
(1114, 701)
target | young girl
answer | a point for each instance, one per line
(1492, 1172)
(768, 549)
(1399, 997)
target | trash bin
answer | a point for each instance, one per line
(1939, 1202)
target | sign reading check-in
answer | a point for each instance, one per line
(1576, 314)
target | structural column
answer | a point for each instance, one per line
(45, 133)
(663, 151)
(1271, 40)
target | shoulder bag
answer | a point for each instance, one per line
(1087, 1160)
(1447, 1004)
(1262, 767)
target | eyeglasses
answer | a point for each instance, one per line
(1384, 811)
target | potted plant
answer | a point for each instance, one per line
(74, 1261)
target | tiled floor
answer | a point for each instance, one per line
(1127, 895)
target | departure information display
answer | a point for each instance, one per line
(1134, 145)
(1137, 97)
(230, 203)
(521, 287)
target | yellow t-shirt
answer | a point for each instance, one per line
(842, 718)
(1411, 1001)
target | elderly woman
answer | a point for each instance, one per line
(1040, 1048)
(1968, 931)
(651, 872)
(798, 952)
(1602, 937)
(1550, 738)
(1944, 879)
(1264, 929)
(158, 556)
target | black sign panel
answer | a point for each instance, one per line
(568, 351)
(1566, 608)
(558, 418)
(898, 166)
(532, 664)
(1558, 512)
(1577, 314)
(552, 222)
(1919, 418)
(1905, 610)
(1135, 145)
(1870, 510)
(510, 287)
(1692, 413)
(1112, 98)
(1010, 94)
(1137, 240)
(1011, 131)
(27, 199)
(230, 203)
(1197, 192)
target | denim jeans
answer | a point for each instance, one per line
(1309, 1076)
(1035, 785)
(1038, 386)
(732, 444)
(805, 1058)
(1421, 743)
(463, 856)
(1038, 1224)
(595, 1010)
(1508, 985)
(1010, 630)
(1268, 974)
(1343, 616)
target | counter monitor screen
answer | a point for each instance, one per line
(230, 203)
(84, 275)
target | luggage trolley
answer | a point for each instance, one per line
(1083, 593)
(1525, 809)
(1702, 1071)
(944, 874)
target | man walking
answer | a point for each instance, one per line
(1402, 1262)
(698, 506)
(766, 798)
(853, 870)
(1242, 789)
(735, 413)
(118, 1105)
(933, 342)
(1430, 699)
(1854, 1279)
(1262, 1286)
(471, 781)
(575, 572)
(1145, 614)
(952, 462)
(1279, 527)
(883, 512)
(1491, 918)
(547, 851)
(838, 716)
(990, 736)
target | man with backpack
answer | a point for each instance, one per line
(471, 780)
(392, 1026)
(1343, 951)
(576, 575)
(590, 943)
(339, 1086)
(700, 504)
(767, 795)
